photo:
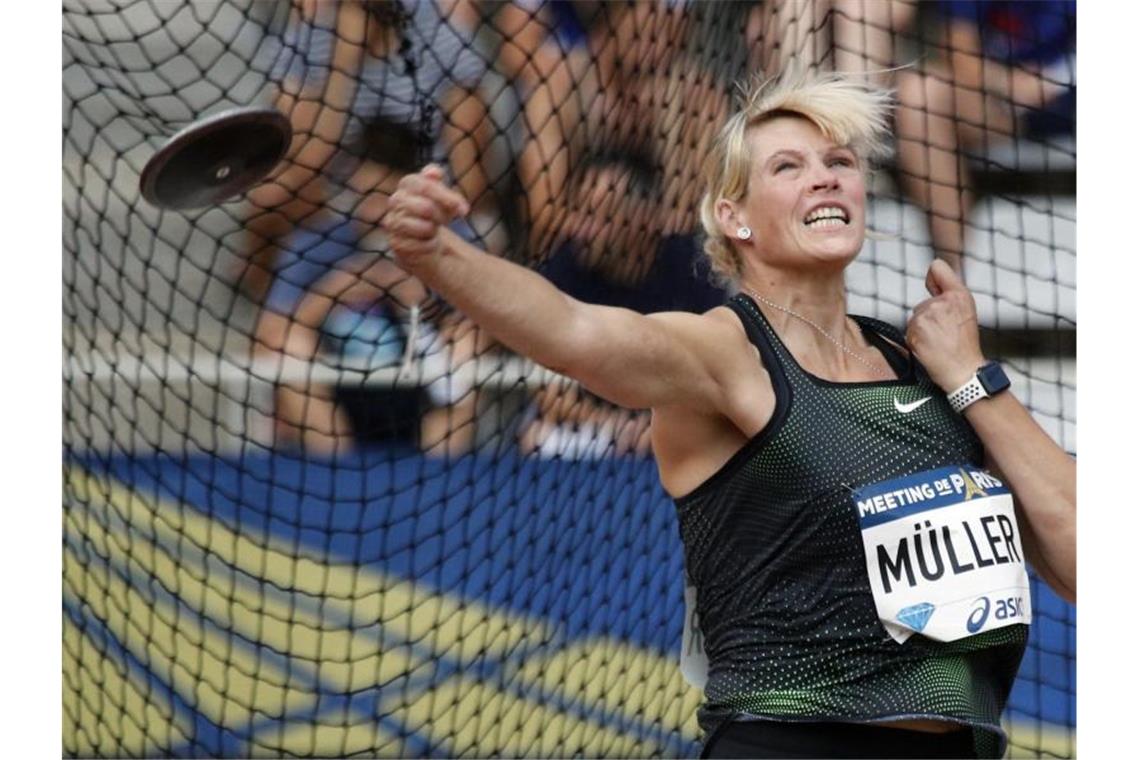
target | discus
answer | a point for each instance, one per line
(216, 158)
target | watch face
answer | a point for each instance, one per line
(992, 377)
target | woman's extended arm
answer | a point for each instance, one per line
(943, 333)
(630, 359)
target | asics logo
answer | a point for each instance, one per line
(908, 408)
(979, 614)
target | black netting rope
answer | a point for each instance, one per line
(310, 512)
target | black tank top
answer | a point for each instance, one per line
(772, 544)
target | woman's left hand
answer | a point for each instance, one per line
(943, 330)
(943, 333)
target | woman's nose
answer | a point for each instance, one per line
(823, 177)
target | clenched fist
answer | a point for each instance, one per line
(943, 331)
(420, 207)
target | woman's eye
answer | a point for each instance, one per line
(841, 161)
(784, 165)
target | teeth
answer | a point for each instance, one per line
(826, 212)
(827, 222)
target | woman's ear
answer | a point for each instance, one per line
(727, 218)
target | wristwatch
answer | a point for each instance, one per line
(989, 380)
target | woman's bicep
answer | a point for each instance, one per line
(646, 361)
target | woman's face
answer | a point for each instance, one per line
(806, 198)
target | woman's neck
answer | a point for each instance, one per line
(810, 316)
(820, 299)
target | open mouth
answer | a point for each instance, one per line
(825, 217)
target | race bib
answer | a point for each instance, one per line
(943, 554)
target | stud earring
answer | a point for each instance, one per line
(744, 233)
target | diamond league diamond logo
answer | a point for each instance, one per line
(916, 616)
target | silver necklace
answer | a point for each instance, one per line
(821, 331)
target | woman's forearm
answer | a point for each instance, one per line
(1042, 477)
(518, 306)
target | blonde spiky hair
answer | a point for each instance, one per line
(845, 108)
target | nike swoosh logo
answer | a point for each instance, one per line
(908, 408)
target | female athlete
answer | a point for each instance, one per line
(858, 506)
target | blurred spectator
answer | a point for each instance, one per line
(614, 254)
(867, 35)
(548, 52)
(369, 314)
(335, 294)
(1009, 70)
(578, 67)
(845, 35)
(780, 33)
(353, 312)
(304, 292)
(343, 66)
(373, 90)
(545, 43)
(677, 109)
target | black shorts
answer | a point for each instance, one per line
(771, 739)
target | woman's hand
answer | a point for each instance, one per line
(421, 205)
(943, 331)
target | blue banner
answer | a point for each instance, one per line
(902, 497)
